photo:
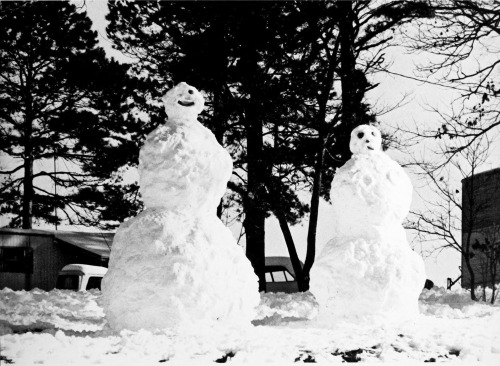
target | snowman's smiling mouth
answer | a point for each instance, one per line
(370, 148)
(186, 104)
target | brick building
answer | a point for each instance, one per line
(480, 223)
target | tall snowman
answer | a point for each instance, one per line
(367, 273)
(176, 265)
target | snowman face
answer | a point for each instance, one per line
(365, 138)
(183, 101)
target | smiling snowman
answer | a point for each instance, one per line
(176, 265)
(367, 273)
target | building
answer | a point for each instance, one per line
(481, 224)
(32, 258)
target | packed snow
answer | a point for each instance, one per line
(62, 327)
(176, 265)
(367, 272)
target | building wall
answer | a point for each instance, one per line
(479, 264)
(481, 218)
(47, 262)
(36, 275)
(47, 257)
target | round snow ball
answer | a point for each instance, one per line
(365, 138)
(183, 100)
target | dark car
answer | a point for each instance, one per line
(280, 276)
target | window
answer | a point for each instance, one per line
(16, 259)
(94, 282)
(278, 274)
(68, 282)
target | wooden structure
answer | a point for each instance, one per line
(32, 258)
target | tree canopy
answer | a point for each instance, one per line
(62, 133)
(284, 83)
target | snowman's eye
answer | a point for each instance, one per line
(190, 91)
(373, 133)
(360, 135)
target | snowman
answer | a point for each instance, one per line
(367, 273)
(176, 265)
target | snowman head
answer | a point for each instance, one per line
(365, 138)
(183, 102)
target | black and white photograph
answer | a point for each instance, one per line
(249, 182)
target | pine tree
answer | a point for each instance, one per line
(59, 113)
(271, 73)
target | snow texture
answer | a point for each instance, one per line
(63, 327)
(176, 265)
(367, 273)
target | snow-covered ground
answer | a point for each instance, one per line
(69, 328)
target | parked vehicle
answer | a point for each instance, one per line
(280, 276)
(80, 277)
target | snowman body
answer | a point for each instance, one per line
(367, 273)
(176, 265)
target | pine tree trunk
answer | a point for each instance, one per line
(292, 252)
(27, 208)
(348, 62)
(28, 192)
(255, 240)
(255, 210)
(347, 65)
(219, 81)
(219, 132)
(255, 213)
(313, 216)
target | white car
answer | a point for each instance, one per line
(280, 276)
(80, 277)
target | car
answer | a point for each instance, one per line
(280, 276)
(80, 277)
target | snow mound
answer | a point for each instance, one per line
(176, 265)
(447, 337)
(40, 310)
(457, 303)
(277, 307)
(367, 273)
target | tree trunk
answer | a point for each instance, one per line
(255, 213)
(254, 224)
(493, 275)
(471, 274)
(320, 158)
(28, 192)
(313, 216)
(255, 210)
(292, 252)
(468, 224)
(219, 30)
(219, 130)
(350, 99)
(27, 209)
